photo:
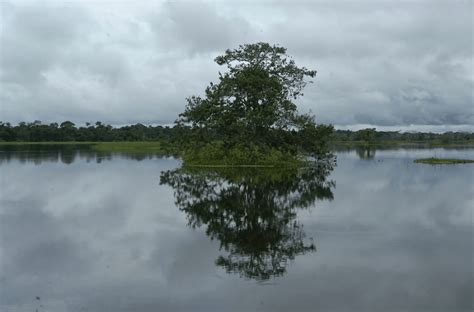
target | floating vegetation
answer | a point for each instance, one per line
(443, 161)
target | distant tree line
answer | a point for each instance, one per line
(100, 132)
(370, 135)
(67, 131)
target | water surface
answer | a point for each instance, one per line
(82, 231)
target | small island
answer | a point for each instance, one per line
(443, 161)
(249, 117)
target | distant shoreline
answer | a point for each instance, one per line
(147, 145)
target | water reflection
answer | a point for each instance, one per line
(105, 237)
(64, 153)
(366, 152)
(251, 212)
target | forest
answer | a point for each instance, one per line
(101, 132)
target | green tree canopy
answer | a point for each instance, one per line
(253, 102)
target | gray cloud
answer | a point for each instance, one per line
(385, 63)
(196, 27)
(35, 37)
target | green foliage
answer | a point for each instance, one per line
(366, 135)
(372, 137)
(251, 107)
(178, 138)
(68, 132)
(443, 161)
(216, 154)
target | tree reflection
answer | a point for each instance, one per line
(252, 212)
(366, 152)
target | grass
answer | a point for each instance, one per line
(130, 147)
(443, 161)
(48, 143)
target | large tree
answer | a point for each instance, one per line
(253, 102)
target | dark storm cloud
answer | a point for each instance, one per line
(386, 63)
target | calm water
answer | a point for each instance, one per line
(106, 232)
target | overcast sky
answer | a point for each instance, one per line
(391, 64)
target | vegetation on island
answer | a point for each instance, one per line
(249, 116)
(443, 161)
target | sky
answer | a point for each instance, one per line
(388, 64)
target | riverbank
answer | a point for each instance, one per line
(435, 143)
(166, 147)
(128, 147)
